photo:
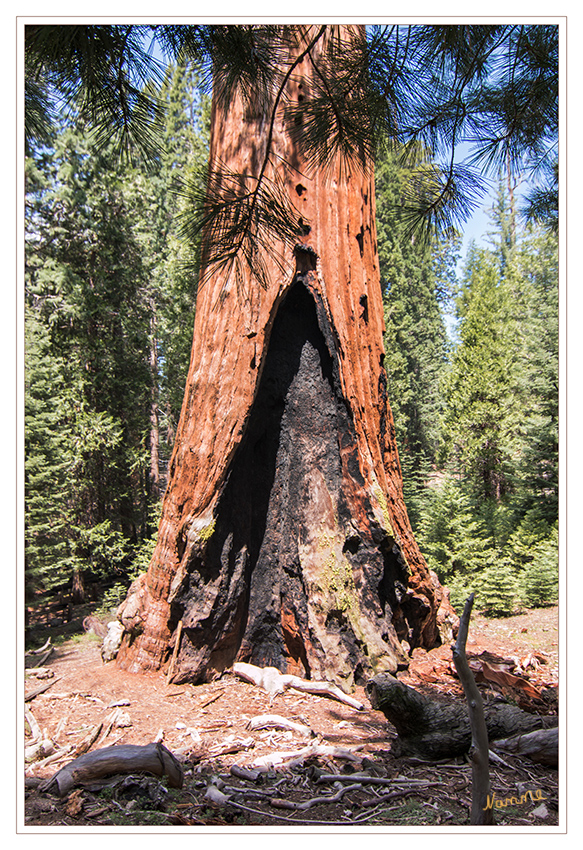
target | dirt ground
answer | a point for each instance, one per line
(207, 728)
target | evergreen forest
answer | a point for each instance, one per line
(471, 344)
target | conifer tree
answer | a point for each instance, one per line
(538, 386)
(83, 284)
(502, 400)
(498, 590)
(111, 298)
(46, 460)
(481, 417)
(539, 579)
(415, 291)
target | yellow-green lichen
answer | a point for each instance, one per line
(337, 577)
(381, 499)
(206, 532)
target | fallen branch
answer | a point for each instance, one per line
(274, 721)
(35, 730)
(298, 757)
(110, 723)
(366, 778)
(63, 753)
(128, 758)
(231, 745)
(279, 803)
(41, 688)
(88, 741)
(275, 682)
(39, 651)
(211, 700)
(39, 750)
(245, 773)
(37, 657)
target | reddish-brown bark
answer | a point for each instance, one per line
(347, 548)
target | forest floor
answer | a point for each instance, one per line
(207, 728)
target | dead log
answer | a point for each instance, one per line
(440, 728)
(41, 689)
(39, 651)
(37, 657)
(126, 758)
(541, 746)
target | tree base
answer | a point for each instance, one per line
(298, 566)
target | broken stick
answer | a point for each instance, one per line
(480, 812)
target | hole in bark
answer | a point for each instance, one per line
(300, 189)
(360, 240)
(335, 621)
(303, 228)
(352, 545)
(306, 259)
(364, 304)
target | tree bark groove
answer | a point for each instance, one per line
(284, 539)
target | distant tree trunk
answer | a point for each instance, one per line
(154, 479)
(284, 538)
(77, 588)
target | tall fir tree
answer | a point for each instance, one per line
(501, 423)
(108, 287)
(46, 460)
(416, 275)
(481, 416)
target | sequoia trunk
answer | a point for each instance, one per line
(284, 538)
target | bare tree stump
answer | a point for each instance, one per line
(436, 729)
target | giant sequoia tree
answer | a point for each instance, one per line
(284, 538)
